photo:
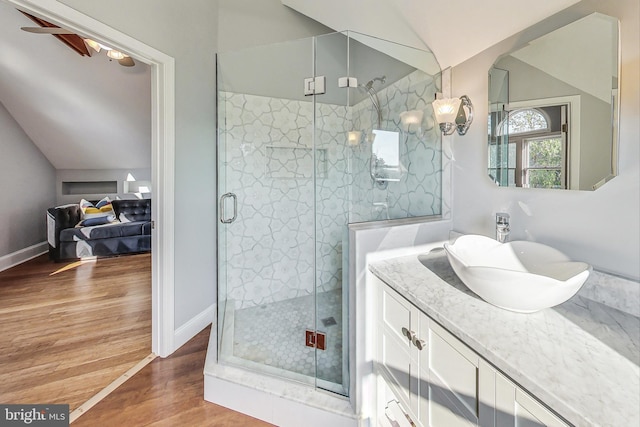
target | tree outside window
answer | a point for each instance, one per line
(542, 162)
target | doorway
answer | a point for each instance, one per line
(162, 164)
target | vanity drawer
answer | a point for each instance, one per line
(397, 315)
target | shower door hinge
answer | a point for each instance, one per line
(315, 339)
(347, 82)
(314, 86)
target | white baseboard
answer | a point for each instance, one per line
(190, 329)
(23, 255)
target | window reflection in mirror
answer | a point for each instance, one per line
(527, 148)
(571, 73)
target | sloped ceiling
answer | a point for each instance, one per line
(454, 30)
(90, 113)
(81, 112)
(587, 44)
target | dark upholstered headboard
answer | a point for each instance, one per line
(134, 209)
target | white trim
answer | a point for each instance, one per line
(163, 153)
(23, 255)
(162, 208)
(190, 329)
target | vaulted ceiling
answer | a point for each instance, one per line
(92, 113)
(82, 112)
(454, 30)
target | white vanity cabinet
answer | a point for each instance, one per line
(436, 380)
(396, 355)
(516, 408)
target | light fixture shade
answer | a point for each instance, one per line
(354, 137)
(114, 54)
(93, 45)
(446, 110)
(411, 117)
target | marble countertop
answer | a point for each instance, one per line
(581, 358)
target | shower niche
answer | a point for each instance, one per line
(294, 170)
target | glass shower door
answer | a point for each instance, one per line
(266, 246)
(332, 125)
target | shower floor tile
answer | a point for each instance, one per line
(274, 335)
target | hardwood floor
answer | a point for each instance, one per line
(69, 330)
(166, 392)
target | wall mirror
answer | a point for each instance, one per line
(553, 109)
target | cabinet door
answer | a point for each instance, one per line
(516, 408)
(388, 409)
(396, 361)
(452, 389)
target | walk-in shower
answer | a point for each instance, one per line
(291, 178)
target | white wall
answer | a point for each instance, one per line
(245, 23)
(600, 227)
(27, 182)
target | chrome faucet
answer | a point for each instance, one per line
(502, 227)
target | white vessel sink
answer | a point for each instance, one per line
(518, 276)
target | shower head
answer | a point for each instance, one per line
(369, 85)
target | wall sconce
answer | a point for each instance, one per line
(451, 115)
(354, 137)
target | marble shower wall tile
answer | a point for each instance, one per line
(419, 191)
(267, 159)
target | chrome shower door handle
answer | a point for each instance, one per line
(235, 208)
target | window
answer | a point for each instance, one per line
(524, 121)
(542, 162)
(529, 147)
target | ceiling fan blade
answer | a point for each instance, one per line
(127, 61)
(46, 30)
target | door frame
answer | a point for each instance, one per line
(162, 153)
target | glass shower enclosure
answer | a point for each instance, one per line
(313, 134)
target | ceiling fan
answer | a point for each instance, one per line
(77, 43)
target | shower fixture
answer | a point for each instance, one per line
(373, 95)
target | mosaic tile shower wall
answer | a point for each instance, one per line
(267, 155)
(418, 192)
(268, 159)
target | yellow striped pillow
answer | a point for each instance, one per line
(100, 213)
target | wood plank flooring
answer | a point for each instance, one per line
(69, 330)
(166, 392)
